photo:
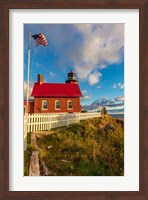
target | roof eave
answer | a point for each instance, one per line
(55, 96)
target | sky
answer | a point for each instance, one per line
(95, 52)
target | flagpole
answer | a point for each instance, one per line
(29, 40)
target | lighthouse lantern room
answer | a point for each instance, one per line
(72, 78)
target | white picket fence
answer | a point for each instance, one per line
(25, 131)
(41, 121)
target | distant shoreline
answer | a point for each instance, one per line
(117, 116)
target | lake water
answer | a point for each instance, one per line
(117, 116)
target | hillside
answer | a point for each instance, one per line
(93, 147)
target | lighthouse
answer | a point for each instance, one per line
(72, 79)
(57, 97)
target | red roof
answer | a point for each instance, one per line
(56, 90)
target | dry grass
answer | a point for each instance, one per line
(87, 148)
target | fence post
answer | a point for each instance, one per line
(67, 119)
(25, 131)
(79, 116)
(49, 126)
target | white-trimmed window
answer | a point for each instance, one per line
(57, 105)
(44, 105)
(70, 105)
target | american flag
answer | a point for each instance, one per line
(40, 39)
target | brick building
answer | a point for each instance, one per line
(30, 106)
(56, 97)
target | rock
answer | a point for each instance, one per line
(33, 140)
(49, 147)
(109, 127)
(66, 161)
(105, 130)
(34, 169)
(45, 171)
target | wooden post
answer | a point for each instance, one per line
(68, 120)
(49, 126)
(25, 131)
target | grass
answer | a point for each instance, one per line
(27, 155)
(85, 149)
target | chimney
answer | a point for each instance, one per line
(40, 79)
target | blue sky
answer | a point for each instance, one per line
(94, 51)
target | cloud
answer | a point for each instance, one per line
(114, 86)
(84, 91)
(104, 98)
(52, 75)
(101, 39)
(121, 86)
(25, 89)
(119, 98)
(98, 87)
(94, 78)
(87, 97)
(49, 75)
(87, 47)
(102, 45)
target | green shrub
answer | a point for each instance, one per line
(27, 155)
